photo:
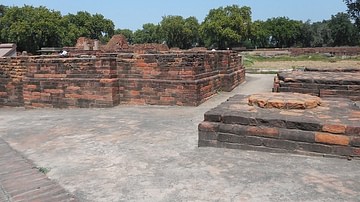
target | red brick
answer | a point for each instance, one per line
(337, 129)
(55, 91)
(208, 126)
(262, 131)
(328, 138)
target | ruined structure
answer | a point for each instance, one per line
(281, 122)
(95, 75)
(106, 80)
(337, 82)
(329, 51)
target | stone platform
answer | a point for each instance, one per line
(323, 84)
(284, 122)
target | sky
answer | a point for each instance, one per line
(132, 14)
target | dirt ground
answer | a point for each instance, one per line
(296, 64)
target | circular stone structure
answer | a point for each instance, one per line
(284, 101)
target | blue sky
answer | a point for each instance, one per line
(134, 13)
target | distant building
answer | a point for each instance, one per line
(7, 50)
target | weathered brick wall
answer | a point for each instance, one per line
(12, 72)
(348, 51)
(322, 84)
(186, 78)
(71, 82)
(106, 80)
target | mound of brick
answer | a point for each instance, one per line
(322, 84)
(332, 128)
(117, 42)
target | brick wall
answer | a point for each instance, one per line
(71, 82)
(322, 84)
(106, 80)
(338, 51)
(349, 51)
(12, 72)
(186, 78)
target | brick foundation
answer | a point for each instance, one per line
(106, 80)
(331, 129)
(177, 78)
(322, 84)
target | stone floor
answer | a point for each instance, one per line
(150, 153)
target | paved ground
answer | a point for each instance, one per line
(21, 180)
(150, 153)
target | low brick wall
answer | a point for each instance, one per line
(187, 78)
(12, 72)
(332, 129)
(335, 51)
(71, 82)
(322, 84)
(338, 51)
(106, 80)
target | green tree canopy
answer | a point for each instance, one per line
(283, 31)
(226, 27)
(342, 30)
(150, 33)
(354, 10)
(259, 35)
(31, 28)
(2, 10)
(83, 24)
(179, 32)
(321, 34)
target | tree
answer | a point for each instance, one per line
(342, 30)
(2, 13)
(83, 24)
(283, 31)
(226, 27)
(129, 35)
(31, 28)
(148, 34)
(354, 10)
(307, 34)
(259, 35)
(179, 32)
(2, 10)
(321, 34)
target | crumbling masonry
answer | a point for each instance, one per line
(106, 80)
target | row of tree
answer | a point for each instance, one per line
(34, 27)
(225, 27)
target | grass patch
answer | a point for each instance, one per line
(311, 57)
(43, 170)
